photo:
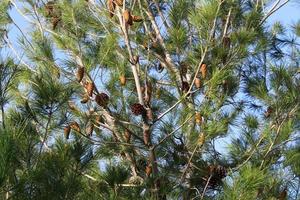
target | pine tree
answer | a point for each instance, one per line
(125, 99)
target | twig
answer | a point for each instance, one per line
(205, 188)
(174, 131)
(274, 9)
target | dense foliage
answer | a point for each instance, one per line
(148, 99)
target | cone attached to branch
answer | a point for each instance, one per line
(269, 112)
(85, 99)
(118, 2)
(102, 99)
(185, 87)
(89, 129)
(111, 7)
(137, 18)
(198, 118)
(122, 79)
(50, 8)
(138, 109)
(80, 74)
(128, 17)
(226, 42)
(55, 20)
(75, 126)
(148, 170)
(67, 131)
(90, 88)
(203, 70)
(201, 139)
(283, 195)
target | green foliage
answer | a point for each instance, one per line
(246, 184)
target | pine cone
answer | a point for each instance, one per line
(137, 18)
(111, 7)
(85, 99)
(67, 130)
(90, 88)
(80, 74)
(148, 170)
(218, 172)
(55, 20)
(183, 68)
(138, 109)
(122, 80)
(203, 70)
(89, 129)
(201, 139)
(226, 42)
(185, 87)
(198, 118)
(119, 2)
(102, 99)
(198, 83)
(269, 112)
(75, 126)
(127, 17)
(283, 195)
(72, 106)
(50, 8)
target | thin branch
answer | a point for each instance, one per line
(174, 131)
(205, 188)
(273, 10)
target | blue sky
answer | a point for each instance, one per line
(290, 13)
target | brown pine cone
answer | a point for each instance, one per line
(119, 2)
(85, 99)
(283, 195)
(198, 118)
(90, 88)
(269, 112)
(80, 74)
(137, 109)
(203, 70)
(137, 18)
(89, 129)
(128, 17)
(102, 99)
(111, 7)
(75, 126)
(55, 20)
(148, 170)
(226, 42)
(50, 8)
(122, 80)
(185, 87)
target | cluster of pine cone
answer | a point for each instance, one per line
(217, 173)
